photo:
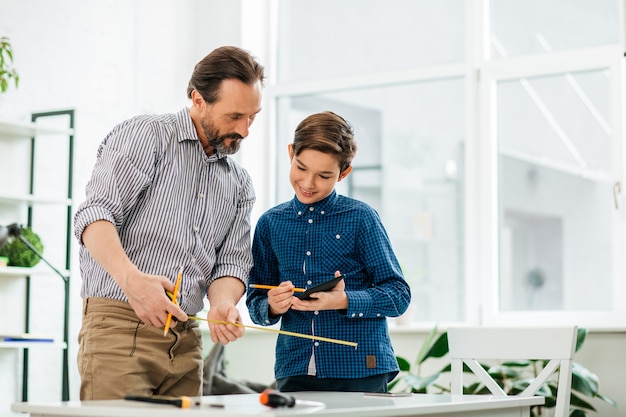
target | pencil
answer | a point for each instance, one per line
(174, 300)
(285, 332)
(269, 287)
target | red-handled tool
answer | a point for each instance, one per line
(274, 399)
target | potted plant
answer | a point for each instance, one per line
(7, 71)
(18, 253)
(510, 376)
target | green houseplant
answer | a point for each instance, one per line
(18, 253)
(7, 71)
(511, 376)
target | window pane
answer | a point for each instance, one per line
(555, 184)
(539, 26)
(327, 38)
(409, 168)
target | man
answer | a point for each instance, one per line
(165, 197)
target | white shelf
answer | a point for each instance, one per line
(21, 143)
(32, 199)
(16, 271)
(31, 345)
(28, 130)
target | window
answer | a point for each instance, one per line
(495, 177)
(553, 121)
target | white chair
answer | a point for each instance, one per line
(557, 344)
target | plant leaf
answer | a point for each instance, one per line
(392, 384)
(584, 381)
(520, 385)
(578, 402)
(405, 365)
(6, 70)
(476, 389)
(438, 349)
(607, 400)
(421, 355)
(419, 384)
(521, 364)
(580, 337)
(500, 372)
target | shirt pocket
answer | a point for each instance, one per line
(223, 214)
(339, 250)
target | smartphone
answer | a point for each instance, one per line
(388, 394)
(324, 286)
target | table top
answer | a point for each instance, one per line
(326, 404)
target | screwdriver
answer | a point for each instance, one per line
(273, 398)
(180, 402)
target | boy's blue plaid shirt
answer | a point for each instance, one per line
(306, 244)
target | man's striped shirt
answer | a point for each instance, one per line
(172, 206)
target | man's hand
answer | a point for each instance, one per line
(224, 333)
(224, 294)
(146, 295)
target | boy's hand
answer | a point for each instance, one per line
(335, 299)
(279, 298)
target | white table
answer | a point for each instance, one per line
(326, 404)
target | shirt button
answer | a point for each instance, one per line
(360, 314)
(353, 315)
(193, 260)
(322, 212)
(201, 195)
(309, 282)
(316, 313)
(317, 343)
(267, 321)
(308, 253)
(337, 236)
(299, 213)
(311, 208)
(378, 315)
(310, 220)
(196, 228)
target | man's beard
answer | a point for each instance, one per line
(218, 142)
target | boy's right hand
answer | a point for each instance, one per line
(279, 298)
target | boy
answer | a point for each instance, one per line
(304, 242)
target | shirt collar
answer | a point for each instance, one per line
(324, 205)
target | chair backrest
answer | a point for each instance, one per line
(556, 344)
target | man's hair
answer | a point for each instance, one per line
(329, 133)
(224, 63)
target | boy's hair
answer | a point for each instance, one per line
(329, 133)
(224, 63)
